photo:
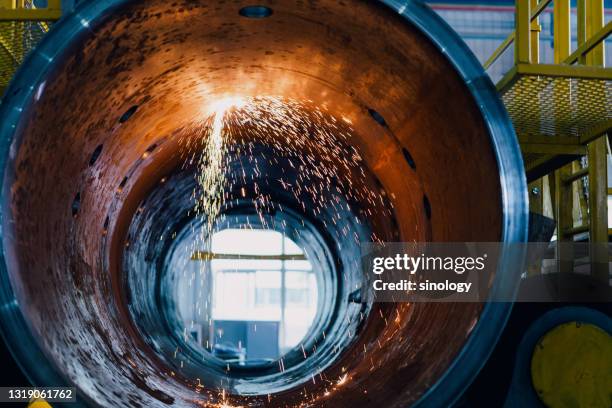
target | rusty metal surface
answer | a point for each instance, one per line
(168, 60)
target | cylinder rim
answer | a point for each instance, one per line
(503, 139)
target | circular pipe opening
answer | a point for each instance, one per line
(313, 191)
(287, 109)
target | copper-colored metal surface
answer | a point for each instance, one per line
(170, 58)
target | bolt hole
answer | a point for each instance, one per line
(122, 184)
(149, 150)
(379, 185)
(128, 114)
(255, 12)
(355, 296)
(427, 206)
(409, 158)
(105, 226)
(76, 204)
(377, 117)
(95, 155)
(396, 229)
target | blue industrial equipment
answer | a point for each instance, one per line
(468, 90)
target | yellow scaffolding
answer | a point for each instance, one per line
(559, 108)
(562, 112)
(24, 10)
(22, 26)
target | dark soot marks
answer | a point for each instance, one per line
(128, 114)
(409, 158)
(95, 155)
(427, 206)
(76, 204)
(377, 117)
(255, 12)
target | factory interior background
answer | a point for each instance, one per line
(187, 186)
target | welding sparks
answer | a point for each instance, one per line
(311, 143)
(211, 173)
(245, 150)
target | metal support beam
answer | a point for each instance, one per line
(564, 199)
(565, 221)
(565, 71)
(552, 70)
(546, 165)
(576, 175)
(598, 207)
(597, 156)
(562, 35)
(536, 206)
(30, 14)
(11, 10)
(580, 229)
(522, 43)
(594, 23)
(536, 188)
(594, 41)
(597, 131)
(552, 149)
(534, 37)
(551, 140)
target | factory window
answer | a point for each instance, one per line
(263, 296)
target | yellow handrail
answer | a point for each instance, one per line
(597, 38)
(585, 47)
(510, 39)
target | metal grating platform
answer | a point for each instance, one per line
(17, 39)
(556, 111)
(556, 105)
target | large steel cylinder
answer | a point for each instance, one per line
(93, 174)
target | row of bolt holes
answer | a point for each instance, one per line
(255, 12)
(249, 12)
(381, 121)
(76, 203)
(263, 12)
